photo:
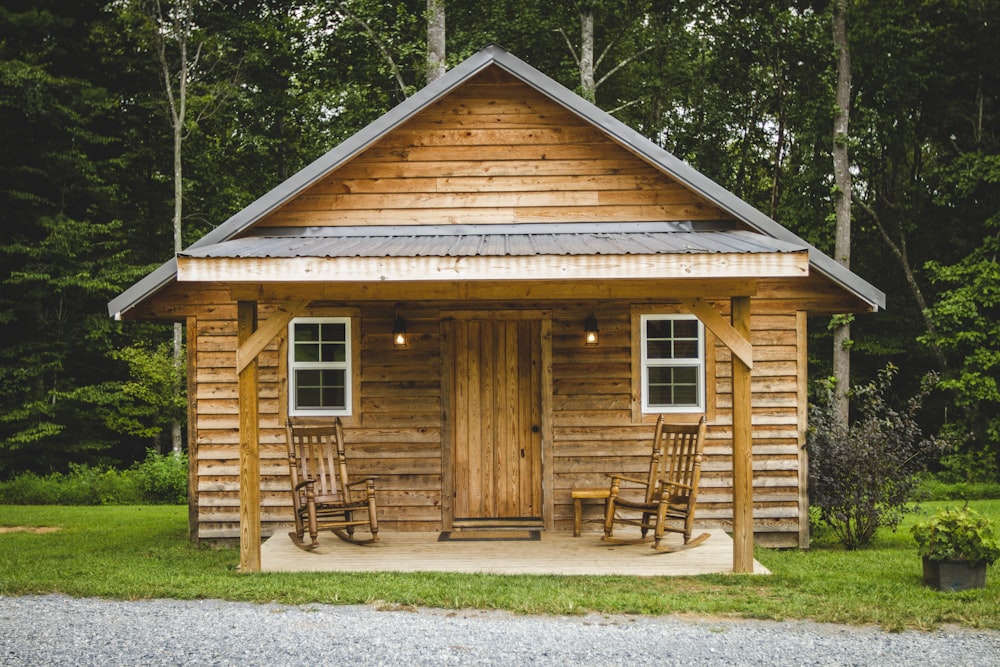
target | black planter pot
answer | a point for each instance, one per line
(954, 575)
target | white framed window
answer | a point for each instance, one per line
(672, 360)
(319, 366)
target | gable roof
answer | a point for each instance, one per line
(494, 55)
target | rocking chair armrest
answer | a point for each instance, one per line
(305, 483)
(625, 478)
(361, 482)
(680, 485)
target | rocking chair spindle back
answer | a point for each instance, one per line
(321, 487)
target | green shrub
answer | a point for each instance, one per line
(975, 467)
(861, 476)
(158, 480)
(98, 485)
(957, 534)
(30, 489)
(162, 478)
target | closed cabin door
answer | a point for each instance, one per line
(496, 386)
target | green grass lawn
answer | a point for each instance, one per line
(143, 552)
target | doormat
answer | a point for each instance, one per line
(490, 536)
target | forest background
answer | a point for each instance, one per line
(743, 91)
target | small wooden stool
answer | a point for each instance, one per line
(587, 492)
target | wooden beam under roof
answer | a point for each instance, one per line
(498, 290)
(540, 267)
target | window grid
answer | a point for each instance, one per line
(673, 363)
(319, 363)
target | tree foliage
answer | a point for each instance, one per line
(61, 253)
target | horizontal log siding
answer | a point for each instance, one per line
(397, 434)
(494, 151)
(595, 435)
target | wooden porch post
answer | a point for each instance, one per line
(246, 313)
(742, 447)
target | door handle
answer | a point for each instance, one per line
(535, 429)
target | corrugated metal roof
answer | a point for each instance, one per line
(485, 244)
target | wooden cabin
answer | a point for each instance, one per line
(492, 223)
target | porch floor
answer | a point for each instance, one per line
(557, 552)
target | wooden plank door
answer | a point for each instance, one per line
(496, 402)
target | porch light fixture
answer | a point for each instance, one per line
(399, 334)
(591, 332)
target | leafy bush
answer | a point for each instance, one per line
(163, 479)
(31, 489)
(957, 534)
(98, 485)
(156, 480)
(861, 476)
(82, 485)
(970, 466)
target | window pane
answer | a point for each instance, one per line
(659, 349)
(306, 352)
(306, 342)
(307, 397)
(333, 397)
(659, 396)
(685, 328)
(685, 395)
(336, 352)
(334, 332)
(307, 389)
(659, 329)
(686, 349)
(308, 332)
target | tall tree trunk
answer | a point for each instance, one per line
(842, 203)
(176, 440)
(588, 86)
(436, 65)
(586, 60)
(178, 26)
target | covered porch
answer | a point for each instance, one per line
(529, 301)
(555, 552)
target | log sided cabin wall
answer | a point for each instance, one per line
(496, 154)
(398, 430)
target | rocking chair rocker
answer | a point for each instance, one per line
(669, 492)
(321, 492)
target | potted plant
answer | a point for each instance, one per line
(957, 546)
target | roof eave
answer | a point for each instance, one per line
(143, 289)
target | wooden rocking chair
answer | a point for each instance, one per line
(321, 492)
(669, 492)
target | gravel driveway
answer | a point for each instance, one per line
(59, 630)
